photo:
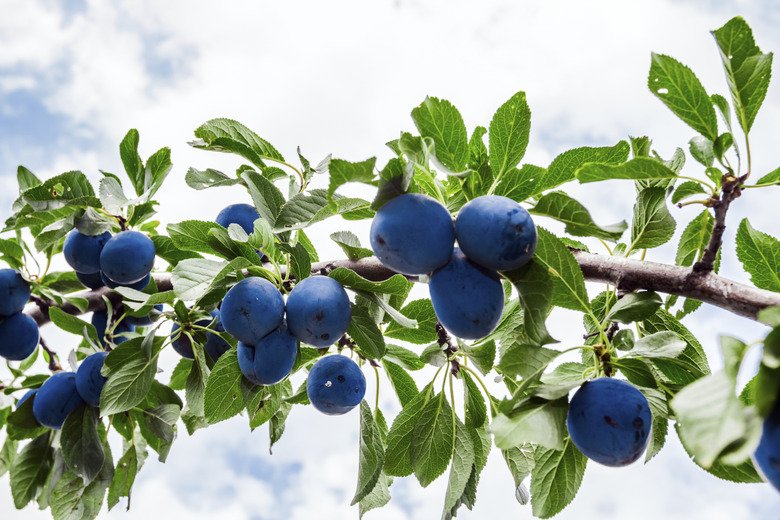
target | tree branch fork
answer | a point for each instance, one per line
(625, 273)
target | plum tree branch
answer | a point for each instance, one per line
(625, 273)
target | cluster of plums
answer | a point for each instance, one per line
(125, 259)
(414, 234)
(18, 331)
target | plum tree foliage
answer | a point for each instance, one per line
(263, 253)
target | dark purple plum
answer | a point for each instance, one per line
(143, 321)
(127, 257)
(609, 421)
(496, 232)
(89, 381)
(91, 281)
(335, 385)
(100, 321)
(18, 337)
(14, 292)
(140, 285)
(215, 346)
(318, 311)
(251, 309)
(468, 298)
(82, 252)
(56, 398)
(767, 455)
(412, 234)
(271, 360)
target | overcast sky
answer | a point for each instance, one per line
(341, 77)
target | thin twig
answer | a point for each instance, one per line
(54, 365)
(731, 189)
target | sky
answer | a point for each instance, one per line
(341, 78)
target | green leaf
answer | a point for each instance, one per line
(535, 293)
(208, 178)
(760, 256)
(637, 169)
(634, 307)
(483, 356)
(366, 334)
(660, 412)
(701, 150)
(565, 165)
(350, 244)
(664, 344)
(267, 198)
(399, 439)
(226, 135)
(372, 454)
(396, 284)
(134, 165)
(422, 312)
(687, 189)
(653, 225)
(191, 278)
(748, 71)
(525, 360)
(26, 179)
(568, 281)
(439, 120)
(431, 446)
(694, 239)
(772, 177)
(130, 375)
(693, 354)
(223, 389)
(476, 410)
(167, 250)
(403, 357)
(81, 446)
(636, 370)
(555, 479)
(561, 207)
(300, 262)
(520, 461)
(509, 131)
(342, 172)
(124, 476)
(402, 382)
(22, 423)
(305, 209)
(680, 90)
(462, 465)
(520, 184)
(29, 470)
(394, 180)
(158, 166)
(536, 421)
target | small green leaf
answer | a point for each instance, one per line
(208, 178)
(402, 382)
(519, 184)
(694, 239)
(124, 476)
(403, 357)
(537, 421)
(29, 470)
(396, 284)
(342, 172)
(226, 135)
(634, 307)
(130, 376)
(476, 411)
(437, 119)
(305, 209)
(637, 169)
(680, 90)
(509, 131)
(462, 466)
(760, 256)
(422, 312)
(568, 280)
(81, 446)
(350, 244)
(555, 479)
(372, 454)
(399, 439)
(653, 225)
(431, 446)
(535, 292)
(565, 165)
(687, 189)
(366, 334)
(561, 207)
(222, 399)
(701, 150)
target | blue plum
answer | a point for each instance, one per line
(127, 257)
(767, 455)
(14, 292)
(82, 252)
(140, 285)
(468, 298)
(100, 321)
(18, 337)
(609, 421)
(271, 360)
(335, 385)
(242, 214)
(89, 381)
(91, 281)
(215, 346)
(318, 311)
(143, 321)
(25, 397)
(496, 232)
(56, 398)
(251, 309)
(412, 234)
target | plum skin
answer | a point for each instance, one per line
(56, 398)
(142, 321)
(140, 285)
(318, 311)
(82, 252)
(91, 281)
(335, 385)
(412, 234)
(100, 321)
(89, 381)
(19, 336)
(14, 292)
(468, 299)
(609, 421)
(215, 346)
(496, 232)
(251, 309)
(25, 397)
(271, 360)
(767, 455)
(242, 214)
(127, 257)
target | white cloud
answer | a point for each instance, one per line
(342, 77)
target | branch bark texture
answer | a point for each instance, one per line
(624, 273)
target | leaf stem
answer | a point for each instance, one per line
(484, 388)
